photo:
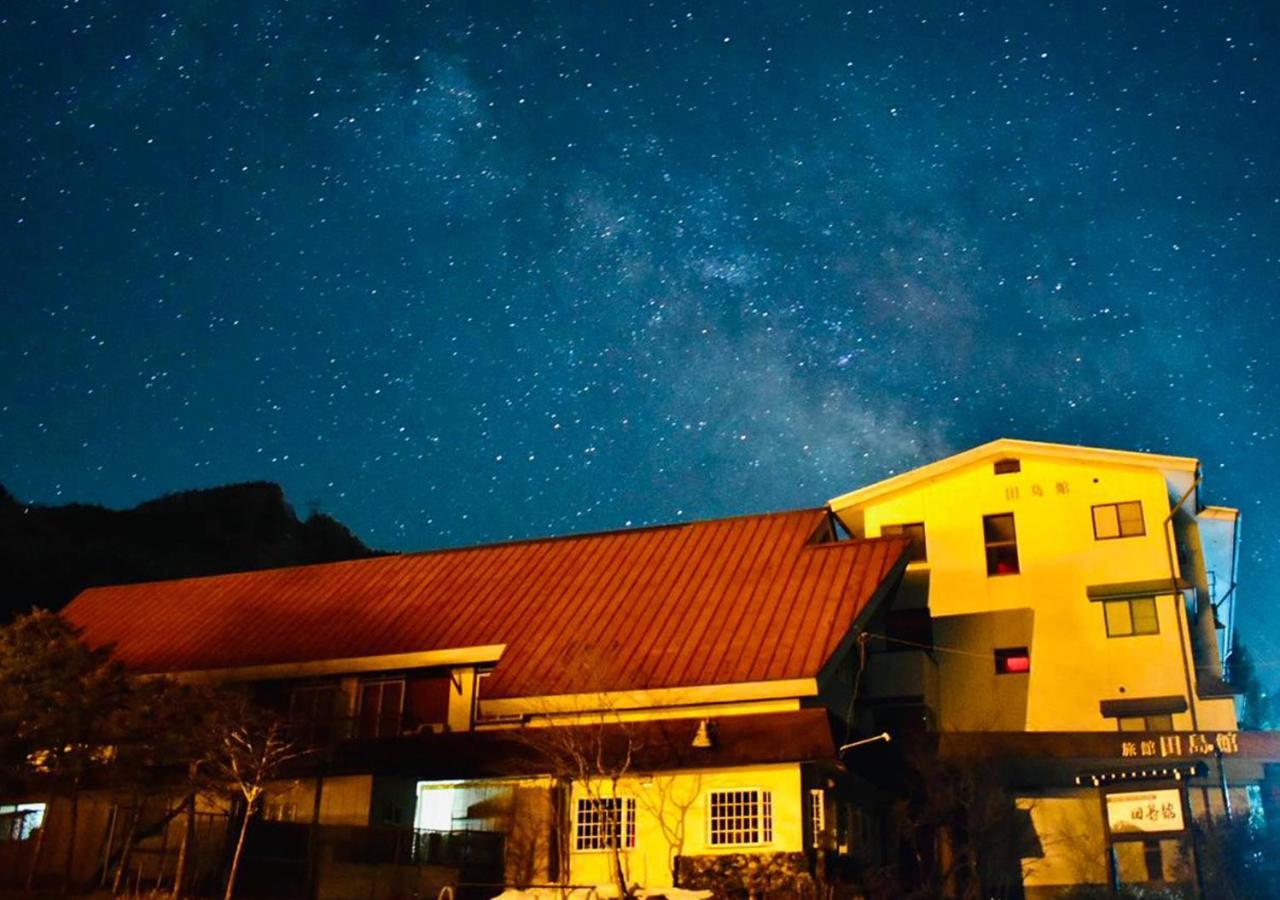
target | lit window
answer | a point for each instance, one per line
(381, 703)
(740, 818)
(818, 816)
(18, 822)
(605, 822)
(1012, 661)
(1002, 544)
(1118, 520)
(1162, 722)
(280, 812)
(1133, 616)
(917, 551)
(1007, 466)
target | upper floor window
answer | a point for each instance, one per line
(1007, 466)
(917, 551)
(381, 705)
(740, 818)
(1162, 722)
(603, 823)
(1131, 616)
(1117, 520)
(313, 710)
(1002, 544)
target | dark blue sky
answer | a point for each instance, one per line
(480, 270)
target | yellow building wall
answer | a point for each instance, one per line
(672, 820)
(1074, 663)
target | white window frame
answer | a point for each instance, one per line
(598, 841)
(818, 817)
(764, 827)
(381, 685)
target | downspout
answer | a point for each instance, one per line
(1181, 605)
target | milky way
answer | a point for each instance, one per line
(469, 271)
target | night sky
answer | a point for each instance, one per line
(464, 271)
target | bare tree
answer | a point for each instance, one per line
(669, 805)
(590, 754)
(249, 755)
(960, 834)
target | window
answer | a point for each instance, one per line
(740, 818)
(481, 676)
(1118, 520)
(312, 710)
(381, 703)
(1163, 722)
(1134, 616)
(280, 812)
(1002, 544)
(1007, 466)
(18, 822)
(917, 551)
(818, 817)
(1012, 661)
(605, 822)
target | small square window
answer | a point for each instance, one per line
(1118, 520)
(1001, 543)
(918, 551)
(1131, 617)
(1013, 661)
(1008, 466)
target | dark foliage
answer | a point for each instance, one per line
(48, 554)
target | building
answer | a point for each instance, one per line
(687, 695)
(522, 707)
(1058, 591)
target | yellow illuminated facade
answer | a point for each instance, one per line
(1067, 590)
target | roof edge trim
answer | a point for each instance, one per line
(610, 702)
(453, 656)
(1011, 446)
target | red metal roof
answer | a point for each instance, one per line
(750, 598)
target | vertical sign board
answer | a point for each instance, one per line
(1155, 810)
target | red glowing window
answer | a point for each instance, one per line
(1013, 661)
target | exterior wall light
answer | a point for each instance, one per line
(882, 736)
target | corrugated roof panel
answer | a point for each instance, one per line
(728, 600)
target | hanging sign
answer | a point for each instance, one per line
(1144, 812)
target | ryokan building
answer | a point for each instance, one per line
(1059, 610)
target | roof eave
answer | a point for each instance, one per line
(1005, 446)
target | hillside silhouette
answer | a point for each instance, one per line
(48, 554)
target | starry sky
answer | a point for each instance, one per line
(457, 272)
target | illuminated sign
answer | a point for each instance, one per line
(1168, 746)
(1144, 812)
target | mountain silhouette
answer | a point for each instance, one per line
(48, 554)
